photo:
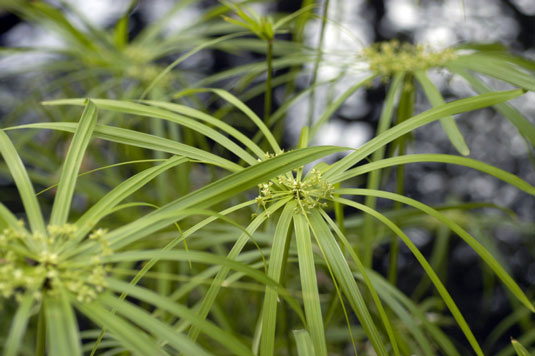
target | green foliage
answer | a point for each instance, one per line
(150, 239)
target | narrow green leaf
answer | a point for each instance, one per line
(288, 18)
(197, 114)
(120, 33)
(185, 56)
(107, 203)
(448, 123)
(229, 341)
(276, 262)
(342, 272)
(500, 69)
(309, 284)
(201, 257)
(220, 190)
(227, 96)
(332, 107)
(72, 334)
(18, 325)
(519, 349)
(127, 107)
(73, 161)
(21, 179)
(125, 332)
(418, 316)
(62, 330)
(140, 139)
(159, 329)
(439, 158)
(523, 125)
(427, 268)
(409, 125)
(43, 12)
(211, 294)
(476, 245)
(254, 68)
(8, 219)
(303, 343)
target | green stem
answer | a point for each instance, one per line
(267, 101)
(405, 111)
(375, 177)
(394, 244)
(317, 64)
(40, 345)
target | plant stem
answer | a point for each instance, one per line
(317, 63)
(40, 345)
(267, 100)
(405, 111)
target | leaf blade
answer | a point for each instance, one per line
(73, 161)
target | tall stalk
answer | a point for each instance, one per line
(405, 111)
(317, 63)
(267, 98)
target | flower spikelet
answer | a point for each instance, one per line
(23, 269)
(388, 58)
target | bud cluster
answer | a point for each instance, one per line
(387, 58)
(23, 270)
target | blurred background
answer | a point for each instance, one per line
(28, 76)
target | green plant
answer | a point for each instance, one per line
(265, 248)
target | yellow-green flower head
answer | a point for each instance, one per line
(22, 270)
(388, 58)
(310, 192)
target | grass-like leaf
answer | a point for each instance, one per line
(523, 125)
(159, 329)
(18, 325)
(129, 335)
(197, 114)
(303, 343)
(211, 294)
(345, 279)
(497, 68)
(424, 118)
(227, 96)
(276, 263)
(7, 218)
(309, 285)
(478, 248)
(440, 158)
(206, 258)
(331, 108)
(220, 190)
(448, 123)
(73, 161)
(519, 348)
(229, 341)
(61, 327)
(107, 203)
(25, 187)
(388, 291)
(132, 108)
(140, 139)
(427, 268)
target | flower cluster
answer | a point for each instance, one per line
(309, 192)
(387, 58)
(22, 269)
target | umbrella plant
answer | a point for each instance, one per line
(235, 243)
